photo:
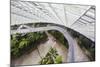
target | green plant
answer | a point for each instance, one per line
(23, 43)
(59, 36)
(20, 43)
(52, 57)
(58, 59)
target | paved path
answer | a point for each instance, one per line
(34, 57)
(79, 54)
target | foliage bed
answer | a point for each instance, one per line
(20, 43)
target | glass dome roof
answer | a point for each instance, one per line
(80, 18)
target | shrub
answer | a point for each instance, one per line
(52, 57)
(59, 36)
(20, 43)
